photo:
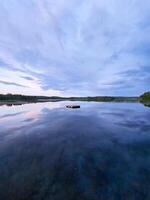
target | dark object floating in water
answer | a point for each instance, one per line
(73, 106)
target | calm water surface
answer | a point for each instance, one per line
(98, 152)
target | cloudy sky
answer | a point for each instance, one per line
(75, 47)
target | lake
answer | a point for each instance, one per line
(98, 152)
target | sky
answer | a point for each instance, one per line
(75, 47)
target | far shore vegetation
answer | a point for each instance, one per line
(17, 98)
(145, 97)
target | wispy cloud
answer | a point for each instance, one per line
(27, 78)
(13, 84)
(73, 48)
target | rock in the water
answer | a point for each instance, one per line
(73, 106)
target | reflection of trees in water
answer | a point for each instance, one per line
(147, 104)
(12, 104)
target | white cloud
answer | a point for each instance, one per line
(72, 47)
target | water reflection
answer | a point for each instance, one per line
(147, 105)
(100, 151)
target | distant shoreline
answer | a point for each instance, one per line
(23, 99)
